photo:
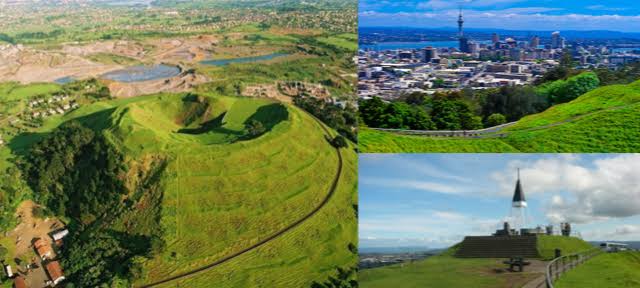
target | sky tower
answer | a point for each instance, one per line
(518, 206)
(460, 24)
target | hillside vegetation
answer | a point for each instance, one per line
(611, 270)
(603, 120)
(192, 179)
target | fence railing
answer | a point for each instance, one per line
(449, 133)
(562, 264)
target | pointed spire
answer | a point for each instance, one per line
(518, 195)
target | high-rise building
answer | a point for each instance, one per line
(515, 54)
(535, 42)
(495, 38)
(555, 40)
(464, 45)
(428, 54)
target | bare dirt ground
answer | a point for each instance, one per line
(26, 65)
(518, 279)
(26, 231)
(266, 90)
(131, 49)
(180, 50)
(180, 83)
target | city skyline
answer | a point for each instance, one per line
(537, 15)
(435, 200)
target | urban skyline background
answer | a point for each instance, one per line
(534, 15)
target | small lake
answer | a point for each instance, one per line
(223, 62)
(142, 73)
(64, 80)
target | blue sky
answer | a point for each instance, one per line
(615, 15)
(434, 200)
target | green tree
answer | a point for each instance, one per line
(339, 142)
(496, 119)
(562, 91)
(255, 128)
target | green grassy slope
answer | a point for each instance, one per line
(603, 120)
(447, 271)
(443, 271)
(224, 191)
(568, 245)
(612, 270)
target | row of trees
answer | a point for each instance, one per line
(343, 120)
(442, 112)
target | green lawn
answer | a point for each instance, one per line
(372, 141)
(441, 271)
(568, 245)
(108, 58)
(611, 270)
(345, 41)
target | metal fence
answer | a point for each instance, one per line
(562, 264)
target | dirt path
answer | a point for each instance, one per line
(295, 224)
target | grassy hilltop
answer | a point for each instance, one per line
(445, 270)
(606, 270)
(197, 183)
(603, 120)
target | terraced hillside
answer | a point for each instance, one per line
(603, 120)
(447, 270)
(205, 182)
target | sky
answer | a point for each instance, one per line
(434, 200)
(614, 15)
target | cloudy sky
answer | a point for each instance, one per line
(615, 15)
(434, 200)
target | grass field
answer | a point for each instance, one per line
(224, 190)
(107, 58)
(345, 41)
(603, 120)
(442, 271)
(447, 271)
(611, 270)
(568, 245)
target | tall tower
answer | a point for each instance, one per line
(464, 42)
(460, 24)
(519, 206)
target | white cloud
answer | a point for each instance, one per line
(411, 184)
(605, 8)
(608, 189)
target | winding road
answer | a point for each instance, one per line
(270, 238)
